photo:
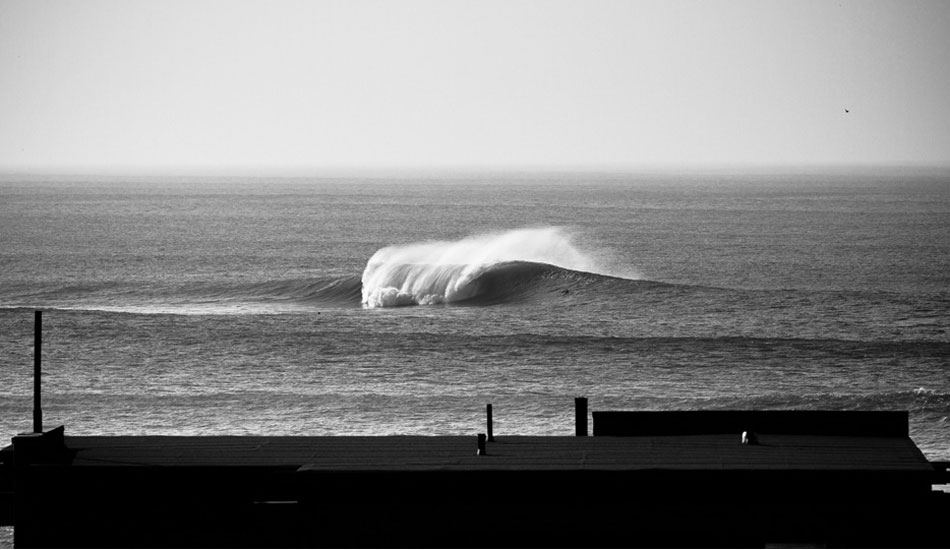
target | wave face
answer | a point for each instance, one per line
(342, 291)
(484, 268)
(195, 298)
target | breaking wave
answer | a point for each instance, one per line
(479, 269)
(505, 267)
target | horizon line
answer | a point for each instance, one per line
(407, 170)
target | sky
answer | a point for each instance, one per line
(275, 85)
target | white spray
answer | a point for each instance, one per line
(440, 271)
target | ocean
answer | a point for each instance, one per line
(403, 304)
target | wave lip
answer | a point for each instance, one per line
(459, 271)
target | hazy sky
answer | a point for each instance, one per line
(264, 85)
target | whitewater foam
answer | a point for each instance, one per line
(437, 272)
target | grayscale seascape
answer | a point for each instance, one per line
(245, 306)
(371, 218)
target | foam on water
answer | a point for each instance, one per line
(443, 271)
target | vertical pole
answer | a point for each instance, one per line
(580, 416)
(491, 437)
(37, 372)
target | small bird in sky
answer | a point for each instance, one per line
(847, 111)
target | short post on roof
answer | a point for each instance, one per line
(580, 416)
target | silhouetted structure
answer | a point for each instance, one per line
(679, 478)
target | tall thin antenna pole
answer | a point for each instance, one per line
(37, 371)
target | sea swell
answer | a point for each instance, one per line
(920, 400)
(505, 282)
(193, 297)
(482, 269)
(513, 282)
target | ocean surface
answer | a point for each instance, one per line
(404, 304)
